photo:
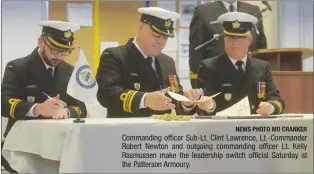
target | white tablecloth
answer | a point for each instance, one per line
(96, 145)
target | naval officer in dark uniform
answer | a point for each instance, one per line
(238, 75)
(131, 77)
(204, 26)
(28, 82)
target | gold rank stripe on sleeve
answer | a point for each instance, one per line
(9, 66)
(278, 104)
(77, 110)
(105, 53)
(127, 99)
(193, 76)
(13, 102)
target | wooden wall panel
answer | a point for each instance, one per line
(308, 94)
(84, 38)
(296, 89)
(118, 22)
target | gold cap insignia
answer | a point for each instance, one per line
(167, 23)
(236, 24)
(67, 34)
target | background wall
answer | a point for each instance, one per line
(295, 27)
(270, 21)
(84, 38)
(19, 32)
(118, 22)
(20, 28)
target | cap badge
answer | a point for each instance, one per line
(167, 23)
(236, 24)
(67, 34)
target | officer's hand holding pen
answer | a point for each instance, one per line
(158, 101)
(192, 94)
(208, 104)
(49, 108)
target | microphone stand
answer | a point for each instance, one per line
(78, 120)
(218, 36)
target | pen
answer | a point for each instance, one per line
(203, 93)
(47, 96)
(162, 92)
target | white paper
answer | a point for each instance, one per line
(107, 44)
(242, 108)
(184, 68)
(180, 97)
(205, 1)
(186, 12)
(168, 5)
(80, 13)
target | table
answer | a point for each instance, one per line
(100, 146)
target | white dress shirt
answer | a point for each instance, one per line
(244, 59)
(227, 5)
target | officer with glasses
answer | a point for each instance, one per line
(29, 82)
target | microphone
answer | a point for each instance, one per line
(214, 38)
(221, 34)
(267, 5)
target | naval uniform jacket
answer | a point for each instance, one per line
(219, 74)
(123, 77)
(24, 81)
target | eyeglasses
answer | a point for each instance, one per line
(56, 51)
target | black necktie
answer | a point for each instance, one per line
(150, 60)
(240, 69)
(51, 72)
(231, 8)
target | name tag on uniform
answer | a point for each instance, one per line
(31, 86)
(30, 99)
(226, 84)
(213, 22)
(133, 74)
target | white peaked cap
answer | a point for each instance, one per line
(159, 12)
(237, 16)
(60, 25)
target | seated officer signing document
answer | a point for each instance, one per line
(130, 77)
(238, 75)
(29, 82)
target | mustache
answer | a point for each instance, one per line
(55, 60)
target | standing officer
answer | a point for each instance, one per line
(130, 77)
(204, 26)
(238, 75)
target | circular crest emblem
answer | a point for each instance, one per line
(84, 77)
